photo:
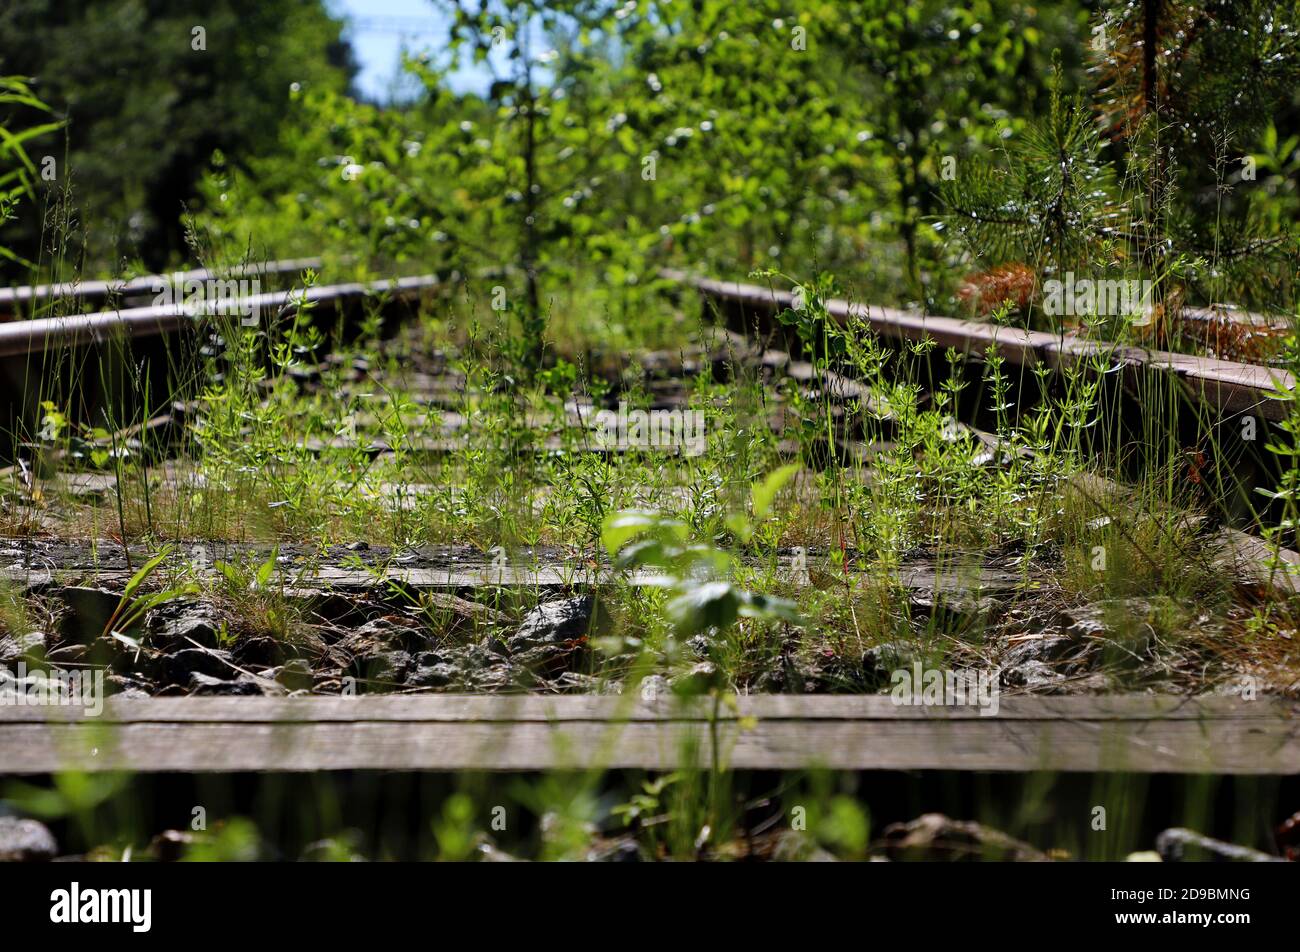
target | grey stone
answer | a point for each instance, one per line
(27, 646)
(179, 665)
(434, 675)
(259, 652)
(698, 679)
(387, 669)
(653, 687)
(181, 625)
(554, 622)
(1172, 846)
(88, 612)
(26, 841)
(881, 661)
(1041, 663)
(379, 635)
(207, 685)
(1031, 674)
(1126, 625)
(67, 654)
(120, 685)
(933, 836)
(295, 674)
(1049, 648)
(699, 645)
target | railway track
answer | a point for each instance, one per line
(1208, 403)
(1133, 734)
(25, 301)
(37, 336)
(1229, 386)
(89, 355)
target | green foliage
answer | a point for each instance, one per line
(145, 109)
(18, 174)
(943, 81)
(701, 598)
(73, 795)
(1174, 192)
(236, 840)
(610, 144)
(454, 831)
(130, 610)
(1050, 204)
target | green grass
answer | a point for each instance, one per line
(283, 445)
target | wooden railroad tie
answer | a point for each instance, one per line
(1139, 734)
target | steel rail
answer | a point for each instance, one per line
(87, 291)
(1232, 386)
(35, 336)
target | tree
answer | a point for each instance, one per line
(1192, 93)
(934, 69)
(1168, 194)
(553, 130)
(150, 88)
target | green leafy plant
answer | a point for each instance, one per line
(131, 610)
(700, 597)
(18, 174)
